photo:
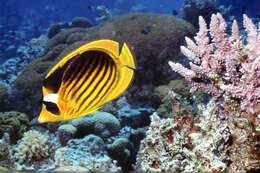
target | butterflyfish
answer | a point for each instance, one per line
(85, 79)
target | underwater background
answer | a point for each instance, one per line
(193, 105)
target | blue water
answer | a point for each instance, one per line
(23, 20)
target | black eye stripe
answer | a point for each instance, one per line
(52, 107)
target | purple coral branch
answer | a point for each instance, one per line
(231, 67)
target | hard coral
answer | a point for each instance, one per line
(192, 9)
(88, 152)
(102, 124)
(167, 148)
(14, 123)
(206, 144)
(120, 150)
(81, 22)
(3, 97)
(222, 65)
(54, 29)
(181, 88)
(5, 154)
(33, 146)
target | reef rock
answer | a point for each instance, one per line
(102, 124)
(207, 144)
(155, 38)
(88, 152)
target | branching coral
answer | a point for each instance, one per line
(223, 66)
(32, 146)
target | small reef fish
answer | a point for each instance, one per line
(82, 81)
(174, 12)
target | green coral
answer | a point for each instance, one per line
(14, 123)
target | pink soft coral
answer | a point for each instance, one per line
(223, 66)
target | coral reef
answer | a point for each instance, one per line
(81, 22)
(192, 9)
(11, 68)
(77, 22)
(53, 30)
(181, 88)
(66, 132)
(162, 27)
(35, 151)
(3, 97)
(5, 155)
(223, 136)
(222, 65)
(134, 117)
(121, 151)
(88, 152)
(33, 146)
(103, 13)
(71, 169)
(102, 124)
(13, 123)
(166, 148)
(206, 144)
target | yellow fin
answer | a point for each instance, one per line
(127, 65)
(108, 46)
(127, 57)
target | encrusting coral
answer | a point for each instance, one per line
(222, 65)
(168, 148)
(102, 124)
(88, 152)
(206, 144)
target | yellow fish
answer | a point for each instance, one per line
(82, 81)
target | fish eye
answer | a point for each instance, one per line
(52, 107)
